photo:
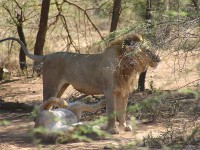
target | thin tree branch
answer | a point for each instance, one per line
(187, 84)
(69, 36)
(13, 18)
(86, 14)
(60, 15)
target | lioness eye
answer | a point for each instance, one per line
(158, 59)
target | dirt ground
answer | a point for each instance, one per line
(174, 72)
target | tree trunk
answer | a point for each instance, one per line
(22, 56)
(41, 35)
(40, 40)
(196, 5)
(142, 77)
(115, 17)
(141, 81)
(148, 16)
(167, 5)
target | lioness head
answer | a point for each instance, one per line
(153, 58)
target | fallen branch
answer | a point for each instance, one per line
(186, 84)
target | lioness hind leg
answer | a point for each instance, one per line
(62, 90)
(53, 89)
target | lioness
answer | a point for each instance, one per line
(111, 73)
(64, 119)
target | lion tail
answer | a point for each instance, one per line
(39, 58)
(53, 101)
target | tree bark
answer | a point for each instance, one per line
(115, 18)
(41, 35)
(22, 56)
(167, 4)
(142, 77)
(148, 16)
(141, 81)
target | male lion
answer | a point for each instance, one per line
(111, 73)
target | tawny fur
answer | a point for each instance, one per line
(63, 118)
(111, 73)
(53, 101)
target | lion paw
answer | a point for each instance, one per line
(128, 128)
(111, 130)
(114, 130)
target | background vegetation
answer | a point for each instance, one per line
(171, 27)
(78, 25)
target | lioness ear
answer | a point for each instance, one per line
(144, 47)
(136, 37)
(130, 42)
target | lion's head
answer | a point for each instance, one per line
(135, 55)
(131, 42)
(126, 44)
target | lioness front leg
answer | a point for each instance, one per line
(111, 112)
(121, 105)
